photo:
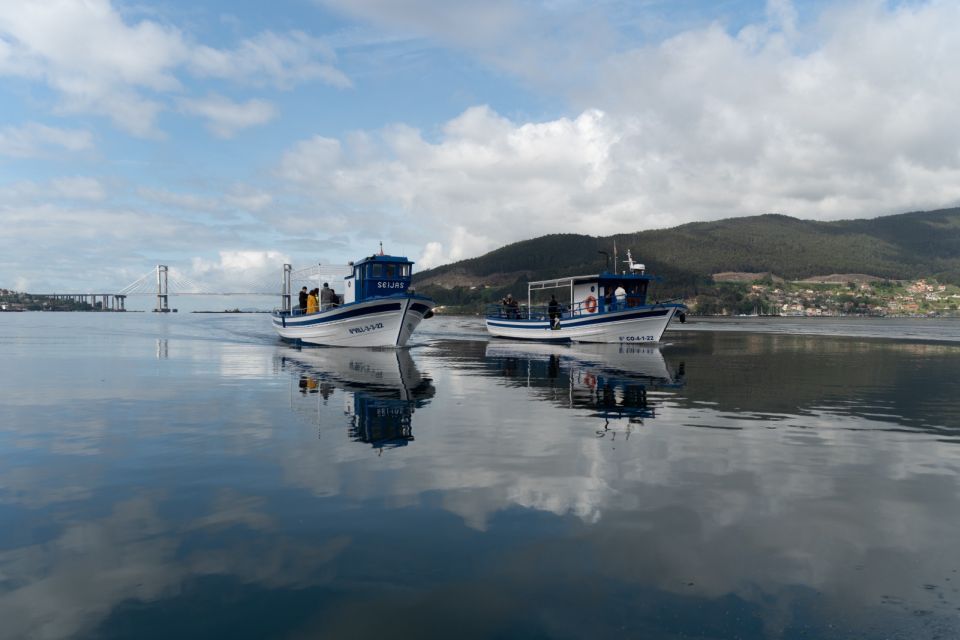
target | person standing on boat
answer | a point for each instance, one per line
(554, 310)
(303, 300)
(313, 302)
(508, 303)
(621, 295)
(327, 297)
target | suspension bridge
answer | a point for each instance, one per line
(165, 282)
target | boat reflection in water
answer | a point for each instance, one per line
(381, 389)
(610, 381)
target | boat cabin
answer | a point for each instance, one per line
(377, 276)
(597, 293)
(582, 296)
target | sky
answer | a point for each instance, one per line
(227, 138)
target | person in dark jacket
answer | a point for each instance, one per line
(303, 300)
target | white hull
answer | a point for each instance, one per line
(631, 326)
(379, 322)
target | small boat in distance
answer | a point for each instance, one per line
(377, 308)
(606, 307)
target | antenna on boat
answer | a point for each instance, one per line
(615, 256)
(381, 247)
(634, 266)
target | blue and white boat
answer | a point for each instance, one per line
(376, 309)
(604, 307)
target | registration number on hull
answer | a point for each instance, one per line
(637, 339)
(366, 328)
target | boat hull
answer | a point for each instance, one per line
(630, 326)
(379, 322)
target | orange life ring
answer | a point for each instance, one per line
(590, 304)
(590, 380)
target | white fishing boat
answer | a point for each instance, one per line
(376, 308)
(604, 307)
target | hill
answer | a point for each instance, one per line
(904, 246)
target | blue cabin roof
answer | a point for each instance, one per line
(379, 276)
(383, 258)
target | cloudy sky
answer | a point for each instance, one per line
(225, 138)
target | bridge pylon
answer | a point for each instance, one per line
(285, 302)
(163, 289)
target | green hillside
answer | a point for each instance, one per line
(909, 245)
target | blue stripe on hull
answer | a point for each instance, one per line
(572, 324)
(352, 313)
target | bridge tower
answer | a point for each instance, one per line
(163, 305)
(285, 288)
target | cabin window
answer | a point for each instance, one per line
(375, 270)
(405, 270)
(391, 271)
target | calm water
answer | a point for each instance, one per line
(190, 477)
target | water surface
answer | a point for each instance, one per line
(189, 476)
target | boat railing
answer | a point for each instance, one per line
(542, 312)
(289, 312)
(575, 310)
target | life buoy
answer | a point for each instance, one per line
(590, 304)
(590, 380)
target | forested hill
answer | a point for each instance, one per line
(909, 245)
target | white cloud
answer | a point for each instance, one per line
(487, 182)
(184, 201)
(850, 117)
(100, 63)
(26, 192)
(546, 44)
(237, 196)
(248, 198)
(238, 270)
(225, 117)
(92, 57)
(35, 140)
(270, 58)
(72, 246)
(79, 188)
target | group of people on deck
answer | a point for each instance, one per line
(318, 299)
(614, 299)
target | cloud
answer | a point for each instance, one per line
(545, 44)
(95, 60)
(100, 63)
(248, 198)
(486, 182)
(850, 116)
(269, 58)
(33, 140)
(236, 197)
(79, 188)
(28, 193)
(238, 270)
(75, 245)
(183, 201)
(225, 117)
